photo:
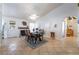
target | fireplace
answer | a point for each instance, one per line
(22, 33)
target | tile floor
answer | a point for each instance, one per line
(18, 46)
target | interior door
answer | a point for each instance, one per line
(71, 26)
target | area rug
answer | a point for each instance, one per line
(38, 44)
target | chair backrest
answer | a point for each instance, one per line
(27, 32)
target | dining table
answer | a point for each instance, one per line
(36, 36)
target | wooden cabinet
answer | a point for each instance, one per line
(52, 34)
(69, 33)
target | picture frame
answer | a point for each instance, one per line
(12, 24)
(24, 23)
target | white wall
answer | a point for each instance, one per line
(12, 32)
(78, 19)
(0, 16)
(57, 16)
(0, 23)
(0, 29)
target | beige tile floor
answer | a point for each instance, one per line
(18, 46)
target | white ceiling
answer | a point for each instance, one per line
(24, 10)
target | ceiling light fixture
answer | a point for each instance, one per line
(33, 17)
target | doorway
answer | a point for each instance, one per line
(70, 26)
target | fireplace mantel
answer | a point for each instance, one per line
(22, 27)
